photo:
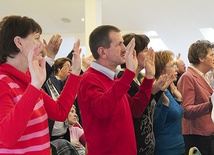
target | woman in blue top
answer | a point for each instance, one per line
(168, 113)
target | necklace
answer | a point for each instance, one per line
(136, 81)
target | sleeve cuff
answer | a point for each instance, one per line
(50, 61)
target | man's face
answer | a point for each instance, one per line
(117, 50)
(181, 66)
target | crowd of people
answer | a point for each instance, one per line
(89, 105)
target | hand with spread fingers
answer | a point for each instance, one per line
(131, 59)
(149, 64)
(52, 47)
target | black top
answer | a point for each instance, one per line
(144, 124)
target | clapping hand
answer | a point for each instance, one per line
(52, 47)
(76, 143)
(178, 56)
(37, 65)
(159, 83)
(76, 60)
(177, 95)
(163, 82)
(165, 99)
(149, 64)
(64, 72)
(131, 59)
(170, 78)
(86, 62)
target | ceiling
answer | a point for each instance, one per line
(176, 22)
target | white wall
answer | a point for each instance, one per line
(69, 39)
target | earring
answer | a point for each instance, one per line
(20, 50)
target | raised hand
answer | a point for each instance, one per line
(149, 64)
(170, 79)
(131, 59)
(177, 95)
(37, 66)
(76, 60)
(159, 83)
(178, 56)
(64, 72)
(86, 62)
(52, 47)
(165, 99)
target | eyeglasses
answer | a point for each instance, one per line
(174, 65)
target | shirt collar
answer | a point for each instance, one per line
(109, 73)
(198, 71)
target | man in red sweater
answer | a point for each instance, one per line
(106, 108)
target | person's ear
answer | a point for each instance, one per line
(102, 53)
(18, 42)
(201, 59)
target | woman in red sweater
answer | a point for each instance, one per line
(24, 106)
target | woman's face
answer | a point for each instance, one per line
(65, 70)
(141, 57)
(72, 116)
(171, 68)
(29, 42)
(209, 60)
(25, 45)
(68, 67)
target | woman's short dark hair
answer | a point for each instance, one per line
(199, 49)
(58, 64)
(10, 27)
(100, 37)
(141, 42)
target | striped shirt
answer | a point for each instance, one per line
(24, 111)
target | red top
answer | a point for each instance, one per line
(24, 111)
(107, 110)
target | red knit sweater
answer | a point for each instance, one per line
(24, 111)
(107, 110)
